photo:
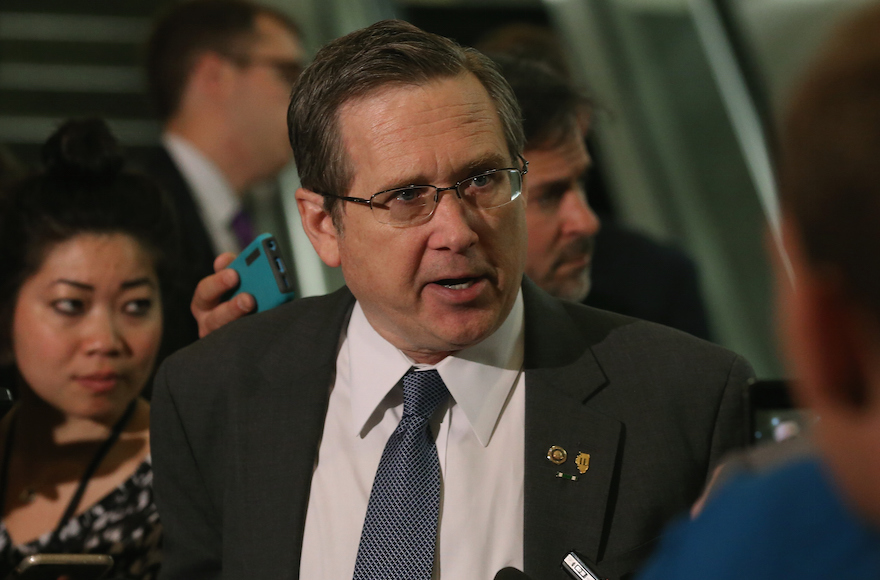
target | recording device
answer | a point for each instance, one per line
(263, 274)
(577, 567)
(511, 574)
(51, 566)
(575, 564)
(773, 416)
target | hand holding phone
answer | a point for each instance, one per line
(210, 303)
(773, 415)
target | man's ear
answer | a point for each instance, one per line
(211, 75)
(319, 226)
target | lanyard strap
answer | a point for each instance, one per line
(87, 475)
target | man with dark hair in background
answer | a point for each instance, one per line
(562, 226)
(441, 416)
(220, 74)
(817, 514)
(613, 267)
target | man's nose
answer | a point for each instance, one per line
(578, 217)
(452, 222)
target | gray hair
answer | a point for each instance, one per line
(386, 53)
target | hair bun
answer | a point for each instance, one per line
(83, 149)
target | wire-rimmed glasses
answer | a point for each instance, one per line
(415, 204)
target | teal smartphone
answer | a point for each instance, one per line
(263, 273)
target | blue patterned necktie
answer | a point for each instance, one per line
(400, 529)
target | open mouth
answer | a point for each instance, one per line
(457, 283)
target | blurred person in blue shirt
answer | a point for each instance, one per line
(819, 514)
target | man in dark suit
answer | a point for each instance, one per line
(220, 73)
(557, 426)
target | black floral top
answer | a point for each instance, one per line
(125, 524)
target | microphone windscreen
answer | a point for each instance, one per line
(511, 574)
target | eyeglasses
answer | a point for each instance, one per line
(288, 70)
(415, 204)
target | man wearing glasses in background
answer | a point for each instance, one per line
(440, 416)
(220, 74)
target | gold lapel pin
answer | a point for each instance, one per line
(557, 455)
(582, 461)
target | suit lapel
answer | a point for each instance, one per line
(197, 246)
(562, 374)
(282, 419)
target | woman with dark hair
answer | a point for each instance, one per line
(85, 254)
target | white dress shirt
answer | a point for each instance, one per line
(480, 445)
(215, 198)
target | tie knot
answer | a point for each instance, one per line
(423, 391)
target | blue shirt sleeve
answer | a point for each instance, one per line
(788, 523)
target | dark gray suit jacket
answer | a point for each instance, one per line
(196, 257)
(237, 419)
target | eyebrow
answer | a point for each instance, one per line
(484, 163)
(552, 189)
(75, 284)
(558, 187)
(125, 285)
(487, 162)
(564, 181)
(137, 282)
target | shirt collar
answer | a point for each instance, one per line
(479, 378)
(213, 192)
